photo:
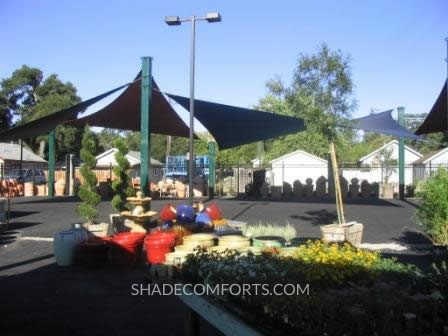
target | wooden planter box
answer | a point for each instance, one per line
(350, 232)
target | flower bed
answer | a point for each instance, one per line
(351, 292)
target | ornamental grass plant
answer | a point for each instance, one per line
(286, 231)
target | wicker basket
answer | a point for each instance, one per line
(350, 232)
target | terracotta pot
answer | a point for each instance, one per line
(213, 211)
(29, 189)
(59, 187)
(181, 232)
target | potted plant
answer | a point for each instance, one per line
(121, 186)
(384, 159)
(90, 199)
(433, 212)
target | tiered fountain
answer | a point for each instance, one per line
(139, 216)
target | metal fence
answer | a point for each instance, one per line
(241, 179)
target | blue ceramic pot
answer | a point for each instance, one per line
(204, 219)
(185, 214)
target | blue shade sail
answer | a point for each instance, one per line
(382, 123)
(233, 126)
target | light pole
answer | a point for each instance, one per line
(175, 21)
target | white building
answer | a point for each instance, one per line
(373, 167)
(10, 158)
(298, 165)
(107, 159)
(428, 164)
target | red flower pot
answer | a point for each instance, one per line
(125, 248)
(213, 211)
(168, 212)
(158, 244)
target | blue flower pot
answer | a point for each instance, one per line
(204, 219)
(185, 214)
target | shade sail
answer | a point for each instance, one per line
(124, 113)
(48, 123)
(382, 123)
(233, 126)
(437, 119)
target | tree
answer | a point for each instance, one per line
(89, 197)
(321, 93)
(26, 96)
(387, 163)
(121, 185)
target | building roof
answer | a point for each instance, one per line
(132, 156)
(9, 151)
(431, 156)
(299, 152)
(391, 143)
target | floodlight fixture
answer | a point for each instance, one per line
(213, 17)
(172, 20)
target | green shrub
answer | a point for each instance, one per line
(362, 301)
(87, 191)
(433, 212)
(122, 185)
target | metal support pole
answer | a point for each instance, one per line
(51, 162)
(145, 124)
(21, 161)
(72, 175)
(401, 181)
(191, 143)
(211, 169)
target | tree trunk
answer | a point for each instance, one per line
(42, 149)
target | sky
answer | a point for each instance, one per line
(397, 48)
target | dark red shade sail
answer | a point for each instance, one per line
(124, 113)
(48, 123)
(437, 119)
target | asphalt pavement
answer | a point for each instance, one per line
(36, 296)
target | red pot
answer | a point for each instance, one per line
(168, 212)
(125, 248)
(158, 244)
(213, 211)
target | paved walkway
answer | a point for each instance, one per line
(37, 296)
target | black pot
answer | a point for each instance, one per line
(440, 252)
